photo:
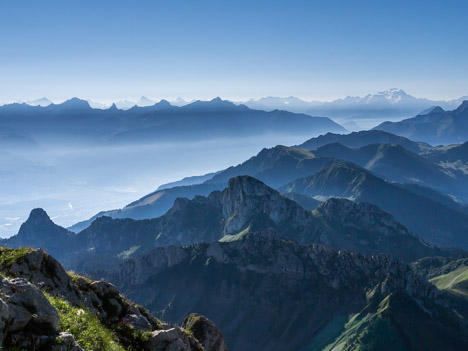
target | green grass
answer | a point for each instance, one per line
(368, 331)
(126, 254)
(455, 281)
(229, 238)
(137, 338)
(75, 277)
(9, 256)
(85, 327)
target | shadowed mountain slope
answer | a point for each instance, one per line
(436, 127)
(432, 221)
(277, 295)
(246, 205)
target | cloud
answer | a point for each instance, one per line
(12, 218)
(70, 206)
(126, 190)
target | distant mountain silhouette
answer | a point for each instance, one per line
(245, 205)
(435, 127)
(398, 164)
(363, 138)
(392, 104)
(75, 120)
(280, 165)
(431, 220)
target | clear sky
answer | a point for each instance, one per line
(110, 50)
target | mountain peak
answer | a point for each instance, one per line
(463, 107)
(163, 103)
(248, 185)
(431, 110)
(144, 101)
(38, 214)
(43, 102)
(214, 104)
(75, 103)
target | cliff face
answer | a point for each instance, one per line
(45, 308)
(265, 292)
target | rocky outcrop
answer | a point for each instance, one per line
(30, 317)
(205, 331)
(25, 313)
(248, 200)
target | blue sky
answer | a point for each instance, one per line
(110, 50)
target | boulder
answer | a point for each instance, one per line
(28, 307)
(205, 331)
(66, 342)
(173, 339)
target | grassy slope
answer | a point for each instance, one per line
(85, 327)
(455, 282)
(402, 323)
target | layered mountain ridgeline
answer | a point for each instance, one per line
(76, 120)
(280, 165)
(435, 127)
(46, 308)
(432, 221)
(246, 205)
(275, 166)
(395, 163)
(450, 154)
(363, 138)
(394, 103)
(270, 294)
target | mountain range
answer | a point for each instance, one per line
(76, 121)
(436, 126)
(393, 104)
(431, 174)
(246, 205)
(250, 246)
(278, 295)
(344, 242)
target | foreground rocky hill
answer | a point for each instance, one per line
(45, 308)
(270, 294)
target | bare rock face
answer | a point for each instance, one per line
(25, 308)
(246, 198)
(173, 339)
(66, 342)
(205, 331)
(255, 286)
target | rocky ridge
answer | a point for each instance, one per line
(246, 205)
(288, 292)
